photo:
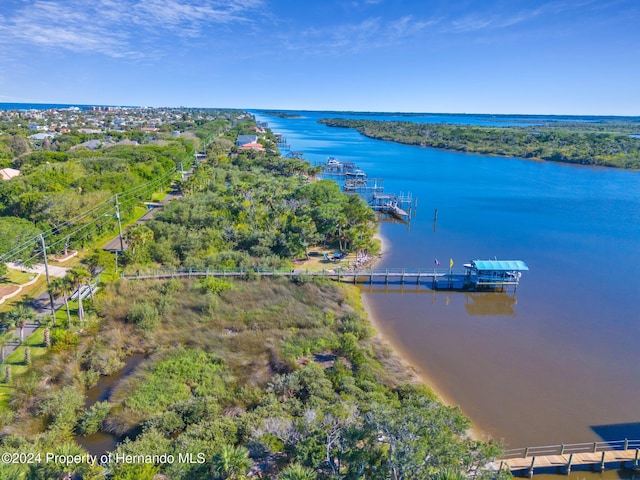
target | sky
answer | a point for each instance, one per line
(578, 57)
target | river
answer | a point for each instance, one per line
(556, 363)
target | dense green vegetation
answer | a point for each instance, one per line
(271, 378)
(250, 218)
(279, 374)
(282, 114)
(606, 143)
(70, 195)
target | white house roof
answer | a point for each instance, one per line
(40, 136)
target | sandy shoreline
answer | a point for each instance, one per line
(385, 247)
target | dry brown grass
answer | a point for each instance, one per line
(259, 328)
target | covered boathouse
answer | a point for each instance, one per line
(493, 274)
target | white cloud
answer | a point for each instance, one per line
(498, 19)
(109, 27)
(370, 33)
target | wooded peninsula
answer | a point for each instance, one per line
(610, 143)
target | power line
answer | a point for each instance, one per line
(59, 231)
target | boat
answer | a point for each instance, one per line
(394, 209)
(332, 162)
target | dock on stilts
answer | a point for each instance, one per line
(562, 458)
(470, 279)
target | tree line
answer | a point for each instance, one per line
(606, 143)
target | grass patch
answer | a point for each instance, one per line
(317, 262)
(15, 360)
(17, 277)
(30, 291)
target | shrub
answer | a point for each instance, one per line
(91, 420)
(353, 323)
(63, 340)
(180, 376)
(144, 316)
(215, 285)
(61, 408)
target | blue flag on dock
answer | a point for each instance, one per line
(436, 261)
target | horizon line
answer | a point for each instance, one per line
(330, 110)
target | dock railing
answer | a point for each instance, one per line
(571, 448)
(437, 279)
(328, 272)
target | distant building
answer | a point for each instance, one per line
(252, 146)
(8, 173)
(90, 144)
(246, 139)
(38, 137)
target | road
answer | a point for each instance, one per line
(114, 244)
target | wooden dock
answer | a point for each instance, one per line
(437, 279)
(355, 180)
(562, 458)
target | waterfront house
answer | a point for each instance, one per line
(246, 139)
(252, 146)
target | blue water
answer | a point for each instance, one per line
(455, 118)
(558, 362)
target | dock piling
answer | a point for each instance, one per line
(530, 470)
(568, 468)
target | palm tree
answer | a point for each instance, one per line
(5, 338)
(295, 471)
(47, 322)
(60, 287)
(137, 237)
(20, 316)
(231, 462)
(448, 473)
(79, 276)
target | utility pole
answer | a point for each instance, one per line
(119, 225)
(46, 271)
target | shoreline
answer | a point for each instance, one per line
(385, 246)
(474, 432)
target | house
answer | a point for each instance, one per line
(245, 139)
(252, 146)
(39, 137)
(90, 144)
(8, 173)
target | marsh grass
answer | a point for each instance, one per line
(225, 344)
(257, 329)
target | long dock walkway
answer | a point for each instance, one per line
(437, 279)
(598, 455)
